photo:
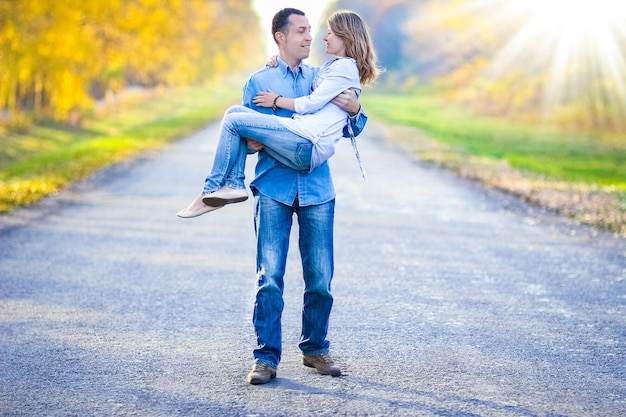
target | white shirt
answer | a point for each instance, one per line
(316, 118)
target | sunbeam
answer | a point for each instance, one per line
(574, 51)
(583, 36)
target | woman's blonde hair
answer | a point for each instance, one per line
(355, 34)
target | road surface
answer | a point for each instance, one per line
(450, 300)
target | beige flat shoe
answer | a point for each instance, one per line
(196, 208)
(225, 195)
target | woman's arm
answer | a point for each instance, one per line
(273, 100)
(339, 76)
(270, 99)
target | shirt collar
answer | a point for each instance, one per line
(286, 69)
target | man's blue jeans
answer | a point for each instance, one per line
(240, 122)
(273, 222)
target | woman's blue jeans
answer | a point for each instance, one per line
(273, 221)
(240, 122)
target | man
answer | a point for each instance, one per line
(280, 192)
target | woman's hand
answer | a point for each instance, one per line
(265, 99)
(273, 61)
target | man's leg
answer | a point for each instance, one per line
(316, 248)
(273, 222)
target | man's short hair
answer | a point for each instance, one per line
(280, 22)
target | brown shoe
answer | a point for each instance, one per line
(322, 363)
(261, 373)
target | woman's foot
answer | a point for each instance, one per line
(196, 208)
(225, 195)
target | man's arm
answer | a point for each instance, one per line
(348, 102)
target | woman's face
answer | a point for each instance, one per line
(334, 45)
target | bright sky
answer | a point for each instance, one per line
(268, 8)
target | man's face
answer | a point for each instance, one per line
(297, 44)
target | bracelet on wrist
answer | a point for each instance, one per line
(274, 106)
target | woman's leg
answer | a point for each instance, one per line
(240, 122)
(229, 163)
(234, 179)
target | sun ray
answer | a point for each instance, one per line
(576, 47)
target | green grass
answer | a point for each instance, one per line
(48, 157)
(587, 157)
(578, 174)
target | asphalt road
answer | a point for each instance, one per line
(450, 300)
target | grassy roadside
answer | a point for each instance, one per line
(581, 175)
(49, 157)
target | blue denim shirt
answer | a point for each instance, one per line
(272, 178)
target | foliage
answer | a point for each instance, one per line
(59, 56)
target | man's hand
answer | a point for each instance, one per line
(254, 145)
(347, 101)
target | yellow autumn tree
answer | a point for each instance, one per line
(45, 60)
(56, 56)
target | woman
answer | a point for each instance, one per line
(307, 139)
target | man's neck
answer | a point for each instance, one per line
(292, 62)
